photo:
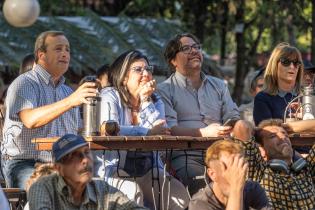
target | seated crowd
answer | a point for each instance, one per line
(253, 168)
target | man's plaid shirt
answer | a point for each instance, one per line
(52, 193)
(285, 191)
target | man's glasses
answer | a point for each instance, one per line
(187, 48)
(287, 62)
(140, 69)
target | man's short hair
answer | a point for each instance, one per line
(215, 150)
(40, 43)
(173, 47)
(259, 130)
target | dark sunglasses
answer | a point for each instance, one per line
(287, 62)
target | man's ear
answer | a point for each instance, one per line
(58, 168)
(212, 174)
(173, 63)
(41, 55)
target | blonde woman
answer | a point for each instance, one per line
(283, 79)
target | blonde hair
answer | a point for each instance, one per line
(215, 150)
(42, 169)
(282, 50)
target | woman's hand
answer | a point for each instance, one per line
(159, 128)
(147, 89)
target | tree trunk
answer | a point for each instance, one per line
(224, 31)
(290, 28)
(240, 57)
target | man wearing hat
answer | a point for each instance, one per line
(309, 70)
(73, 187)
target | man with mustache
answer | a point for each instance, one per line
(39, 104)
(72, 187)
(195, 105)
(287, 179)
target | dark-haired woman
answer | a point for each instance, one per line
(131, 102)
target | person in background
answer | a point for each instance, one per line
(27, 63)
(102, 75)
(39, 104)
(40, 171)
(72, 187)
(283, 79)
(256, 85)
(195, 105)
(309, 74)
(228, 189)
(133, 103)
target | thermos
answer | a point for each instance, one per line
(91, 113)
(307, 103)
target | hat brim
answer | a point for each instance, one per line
(70, 150)
(312, 69)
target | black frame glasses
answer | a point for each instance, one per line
(140, 69)
(186, 49)
(287, 62)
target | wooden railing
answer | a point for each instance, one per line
(158, 142)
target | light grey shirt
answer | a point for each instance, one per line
(31, 90)
(51, 192)
(188, 107)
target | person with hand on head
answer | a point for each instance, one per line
(286, 177)
(139, 111)
(195, 105)
(228, 189)
(72, 187)
(39, 104)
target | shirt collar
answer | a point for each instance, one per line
(46, 76)
(282, 93)
(185, 82)
(64, 189)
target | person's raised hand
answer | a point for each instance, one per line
(147, 89)
(87, 89)
(234, 170)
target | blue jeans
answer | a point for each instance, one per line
(17, 172)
